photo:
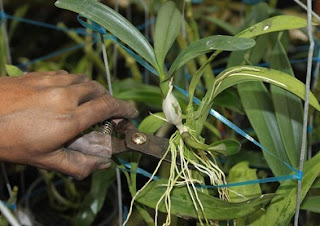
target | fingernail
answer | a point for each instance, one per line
(105, 165)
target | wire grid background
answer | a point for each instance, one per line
(82, 31)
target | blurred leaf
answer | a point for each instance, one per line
(277, 23)
(113, 22)
(152, 123)
(227, 147)
(258, 106)
(316, 183)
(128, 89)
(251, 73)
(215, 209)
(254, 158)
(282, 207)
(166, 30)
(222, 24)
(13, 70)
(20, 12)
(229, 99)
(239, 173)
(93, 201)
(288, 107)
(206, 45)
(311, 203)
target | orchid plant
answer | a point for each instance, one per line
(193, 160)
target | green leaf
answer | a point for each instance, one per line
(288, 107)
(128, 89)
(113, 22)
(13, 70)
(316, 183)
(167, 28)
(239, 173)
(206, 45)
(223, 147)
(258, 106)
(240, 74)
(215, 209)
(229, 99)
(152, 123)
(227, 147)
(277, 23)
(311, 203)
(254, 158)
(282, 207)
(94, 200)
(221, 23)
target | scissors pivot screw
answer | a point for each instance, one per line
(139, 138)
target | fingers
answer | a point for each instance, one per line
(55, 79)
(87, 91)
(102, 108)
(94, 143)
(74, 163)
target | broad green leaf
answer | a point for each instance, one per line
(311, 203)
(209, 44)
(94, 200)
(113, 22)
(227, 147)
(277, 23)
(239, 173)
(236, 75)
(167, 28)
(282, 207)
(258, 106)
(215, 209)
(152, 123)
(13, 70)
(288, 107)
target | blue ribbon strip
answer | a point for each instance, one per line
(10, 206)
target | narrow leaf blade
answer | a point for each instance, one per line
(113, 22)
(278, 78)
(277, 23)
(209, 44)
(166, 30)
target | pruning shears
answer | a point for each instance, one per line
(134, 140)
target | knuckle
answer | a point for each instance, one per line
(113, 105)
(58, 95)
(62, 72)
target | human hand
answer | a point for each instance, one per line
(42, 115)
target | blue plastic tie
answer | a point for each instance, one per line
(45, 57)
(309, 129)
(139, 170)
(197, 1)
(79, 31)
(299, 175)
(10, 206)
(250, 182)
(252, 2)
